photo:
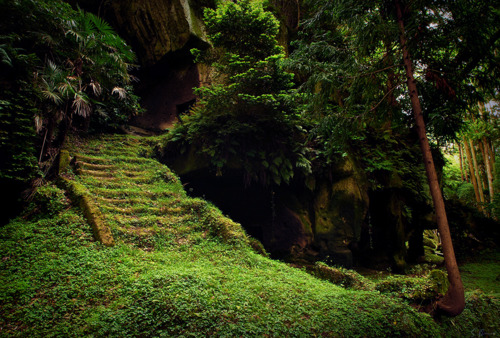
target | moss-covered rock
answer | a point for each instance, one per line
(158, 27)
(64, 160)
(432, 254)
(339, 212)
(80, 196)
(440, 279)
(417, 290)
(349, 279)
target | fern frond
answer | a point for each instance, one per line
(66, 88)
(5, 56)
(81, 105)
(100, 25)
(122, 93)
(96, 87)
(49, 92)
(52, 96)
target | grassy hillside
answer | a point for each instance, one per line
(178, 267)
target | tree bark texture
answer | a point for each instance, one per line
(486, 155)
(477, 173)
(471, 171)
(489, 169)
(460, 156)
(453, 303)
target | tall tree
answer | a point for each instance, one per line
(345, 57)
(472, 173)
(454, 300)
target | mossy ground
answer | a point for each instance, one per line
(483, 273)
(178, 268)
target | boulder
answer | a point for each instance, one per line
(158, 27)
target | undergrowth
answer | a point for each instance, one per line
(190, 272)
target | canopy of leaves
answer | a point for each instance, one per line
(348, 57)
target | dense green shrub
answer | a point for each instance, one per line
(419, 290)
(349, 279)
(246, 118)
(59, 69)
(48, 200)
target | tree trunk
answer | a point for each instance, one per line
(486, 155)
(453, 302)
(477, 173)
(466, 167)
(487, 163)
(471, 171)
(492, 157)
(460, 154)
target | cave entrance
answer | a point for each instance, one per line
(261, 210)
(167, 90)
(252, 207)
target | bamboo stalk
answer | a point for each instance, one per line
(487, 163)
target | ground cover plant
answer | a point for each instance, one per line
(111, 244)
(171, 276)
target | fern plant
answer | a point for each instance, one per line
(59, 69)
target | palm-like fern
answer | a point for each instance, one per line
(95, 72)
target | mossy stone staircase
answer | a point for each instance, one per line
(130, 198)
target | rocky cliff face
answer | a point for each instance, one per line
(340, 219)
(292, 221)
(161, 32)
(158, 27)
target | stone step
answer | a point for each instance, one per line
(164, 210)
(116, 182)
(111, 152)
(113, 193)
(90, 166)
(143, 175)
(114, 160)
(95, 173)
(131, 202)
(127, 168)
(175, 221)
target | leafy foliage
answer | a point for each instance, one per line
(17, 136)
(48, 200)
(247, 118)
(59, 68)
(347, 59)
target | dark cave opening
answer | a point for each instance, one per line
(250, 206)
(261, 210)
(166, 88)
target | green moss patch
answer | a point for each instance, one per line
(192, 272)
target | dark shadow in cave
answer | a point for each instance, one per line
(259, 209)
(167, 85)
(251, 206)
